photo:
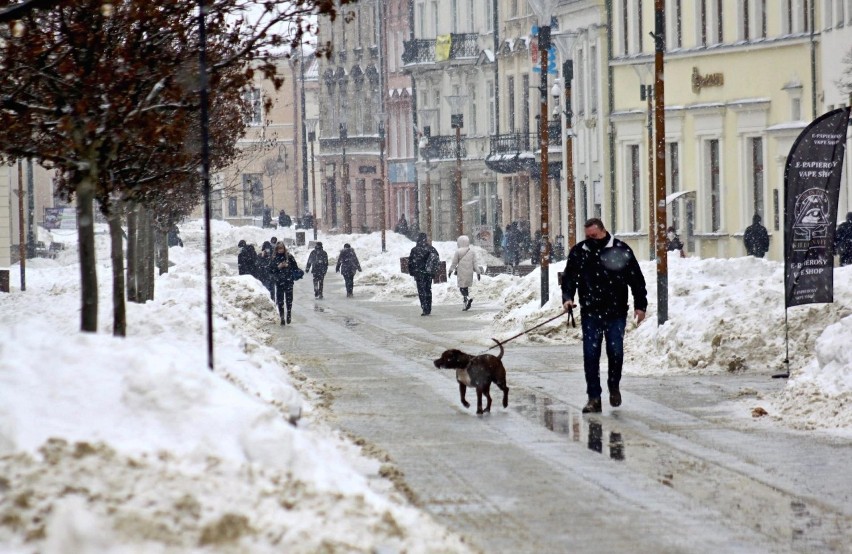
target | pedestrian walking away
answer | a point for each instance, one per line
(246, 259)
(843, 241)
(465, 264)
(262, 271)
(282, 268)
(317, 266)
(673, 242)
(756, 238)
(602, 268)
(347, 265)
(401, 226)
(423, 262)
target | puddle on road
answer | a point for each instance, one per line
(797, 523)
(571, 423)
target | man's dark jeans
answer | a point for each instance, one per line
(595, 329)
(424, 291)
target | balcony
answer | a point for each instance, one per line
(463, 46)
(443, 147)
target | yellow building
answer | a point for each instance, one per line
(739, 88)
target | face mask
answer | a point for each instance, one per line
(598, 244)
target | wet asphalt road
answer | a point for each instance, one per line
(670, 471)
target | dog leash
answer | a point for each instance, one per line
(570, 322)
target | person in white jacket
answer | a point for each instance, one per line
(465, 265)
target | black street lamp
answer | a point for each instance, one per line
(347, 199)
(564, 43)
(456, 103)
(426, 116)
(311, 125)
(380, 121)
(544, 10)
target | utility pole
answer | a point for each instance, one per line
(22, 243)
(660, 109)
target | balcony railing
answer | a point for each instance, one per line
(422, 50)
(511, 143)
(443, 147)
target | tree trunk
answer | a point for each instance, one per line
(141, 250)
(85, 194)
(132, 236)
(150, 254)
(119, 314)
(162, 251)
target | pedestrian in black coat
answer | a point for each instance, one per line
(281, 269)
(246, 259)
(843, 240)
(419, 268)
(347, 265)
(756, 238)
(261, 267)
(318, 266)
(602, 268)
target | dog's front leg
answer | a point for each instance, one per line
(462, 390)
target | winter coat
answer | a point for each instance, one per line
(602, 273)
(418, 256)
(261, 266)
(317, 262)
(347, 262)
(464, 262)
(247, 260)
(756, 239)
(673, 243)
(282, 275)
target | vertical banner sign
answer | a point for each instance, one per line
(811, 191)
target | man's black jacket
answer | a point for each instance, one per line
(603, 274)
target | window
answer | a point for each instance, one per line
(421, 20)
(471, 95)
(702, 21)
(625, 28)
(254, 99)
(796, 109)
(510, 102)
(580, 76)
(492, 118)
(436, 97)
(489, 15)
(757, 174)
(454, 13)
(639, 26)
(673, 184)
(434, 19)
(806, 15)
(513, 8)
(678, 24)
(745, 32)
(470, 26)
(776, 207)
(232, 206)
(720, 36)
(788, 16)
(252, 194)
(635, 187)
(761, 17)
(593, 75)
(841, 15)
(714, 185)
(525, 104)
(359, 210)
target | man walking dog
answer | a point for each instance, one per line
(602, 268)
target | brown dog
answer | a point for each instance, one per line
(477, 372)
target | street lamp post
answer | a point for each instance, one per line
(426, 116)
(456, 103)
(347, 200)
(311, 124)
(544, 11)
(565, 43)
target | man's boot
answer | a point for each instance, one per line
(614, 397)
(593, 406)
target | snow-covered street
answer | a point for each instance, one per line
(132, 445)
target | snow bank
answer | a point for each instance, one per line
(133, 445)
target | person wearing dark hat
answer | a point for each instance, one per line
(281, 270)
(843, 240)
(246, 259)
(756, 238)
(347, 265)
(318, 266)
(423, 262)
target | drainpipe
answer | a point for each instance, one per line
(813, 64)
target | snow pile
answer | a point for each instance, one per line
(133, 445)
